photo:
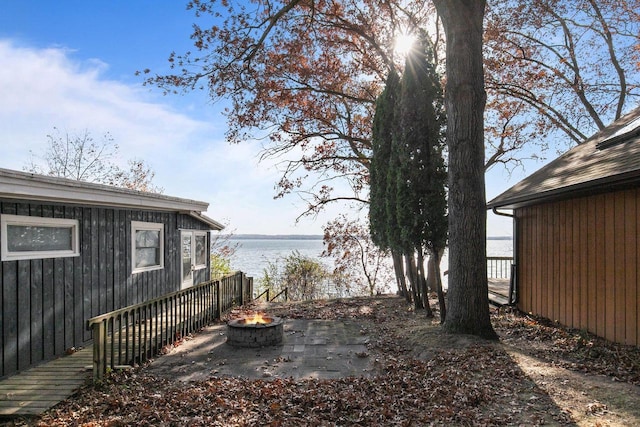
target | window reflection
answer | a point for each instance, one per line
(201, 249)
(147, 248)
(148, 245)
(27, 238)
(34, 237)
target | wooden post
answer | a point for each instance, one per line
(218, 301)
(99, 337)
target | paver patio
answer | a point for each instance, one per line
(311, 349)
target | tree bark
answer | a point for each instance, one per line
(412, 273)
(465, 98)
(434, 280)
(431, 269)
(400, 276)
(422, 280)
(439, 291)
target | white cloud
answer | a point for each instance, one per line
(46, 88)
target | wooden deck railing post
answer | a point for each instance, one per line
(99, 337)
(249, 288)
(218, 300)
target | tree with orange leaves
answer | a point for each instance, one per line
(305, 74)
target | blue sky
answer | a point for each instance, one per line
(71, 65)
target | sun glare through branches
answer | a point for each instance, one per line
(403, 44)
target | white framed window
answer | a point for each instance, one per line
(147, 246)
(31, 237)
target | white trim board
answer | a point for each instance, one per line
(29, 186)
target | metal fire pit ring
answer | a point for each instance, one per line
(253, 335)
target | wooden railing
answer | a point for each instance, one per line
(267, 292)
(499, 267)
(284, 292)
(134, 334)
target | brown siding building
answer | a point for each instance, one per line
(577, 249)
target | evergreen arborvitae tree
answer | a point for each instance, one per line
(407, 209)
(421, 174)
(383, 229)
(383, 128)
(399, 249)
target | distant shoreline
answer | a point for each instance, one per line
(310, 237)
(276, 237)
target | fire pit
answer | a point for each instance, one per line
(255, 331)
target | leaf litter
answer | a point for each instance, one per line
(423, 377)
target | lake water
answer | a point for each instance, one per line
(254, 255)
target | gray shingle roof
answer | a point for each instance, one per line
(609, 159)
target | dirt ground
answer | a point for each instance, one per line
(536, 374)
(588, 381)
(593, 382)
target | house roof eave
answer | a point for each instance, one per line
(29, 186)
(611, 157)
(621, 181)
(215, 225)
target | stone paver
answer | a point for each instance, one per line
(320, 349)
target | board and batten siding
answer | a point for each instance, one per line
(46, 302)
(578, 263)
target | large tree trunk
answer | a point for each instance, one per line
(468, 300)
